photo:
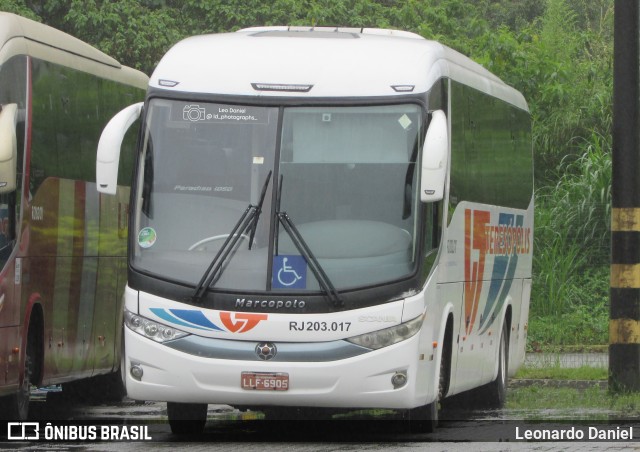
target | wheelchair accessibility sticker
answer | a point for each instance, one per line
(289, 272)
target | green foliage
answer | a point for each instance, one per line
(556, 372)
(574, 98)
(571, 251)
(18, 7)
(583, 324)
(514, 14)
(126, 30)
(555, 267)
(222, 16)
(576, 211)
(581, 317)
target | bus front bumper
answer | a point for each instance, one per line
(368, 380)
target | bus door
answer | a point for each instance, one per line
(111, 278)
(10, 315)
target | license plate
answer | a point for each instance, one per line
(265, 381)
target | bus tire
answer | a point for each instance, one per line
(187, 418)
(494, 394)
(424, 419)
(15, 407)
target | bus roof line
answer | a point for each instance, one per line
(14, 26)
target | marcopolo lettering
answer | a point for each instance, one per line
(270, 304)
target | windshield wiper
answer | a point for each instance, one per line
(259, 209)
(304, 250)
(248, 221)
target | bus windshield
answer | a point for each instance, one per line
(344, 176)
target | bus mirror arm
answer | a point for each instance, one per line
(108, 155)
(434, 158)
(8, 147)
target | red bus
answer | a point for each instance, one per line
(63, 246)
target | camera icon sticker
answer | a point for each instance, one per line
(193, 113)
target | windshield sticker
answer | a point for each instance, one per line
(404, 121)
(147, 237)
(226, 114)
(289, 272)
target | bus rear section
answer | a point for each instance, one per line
(305, 237)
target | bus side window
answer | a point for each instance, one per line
(13, 90)
(7, 226)
(432, 233)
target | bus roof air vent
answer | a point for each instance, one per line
(308, 33)
(326, 32)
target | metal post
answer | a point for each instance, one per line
(624, 314)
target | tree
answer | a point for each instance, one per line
(131, 32)
(18, 7)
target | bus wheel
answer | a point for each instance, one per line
(498, 388)
(23, 396)
(16, 406)
(187, 418)
(494, 394)
(424, 419)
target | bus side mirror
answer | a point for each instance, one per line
(8, 148)
(108, 157)
(434, 158)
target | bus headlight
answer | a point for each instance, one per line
(388, 336)
(150, 329)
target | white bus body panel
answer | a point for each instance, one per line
(342, 65)
(363, 381)
(485, 269)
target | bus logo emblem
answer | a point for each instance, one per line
(241, 322)
(266, 351)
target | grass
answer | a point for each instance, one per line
(570, 293)
(583, 321)
(563, 373)
(537, 397)
(585, 401)
(584, 329)
(593, 403)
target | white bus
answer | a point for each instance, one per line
(63, 246)
(337, 218)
